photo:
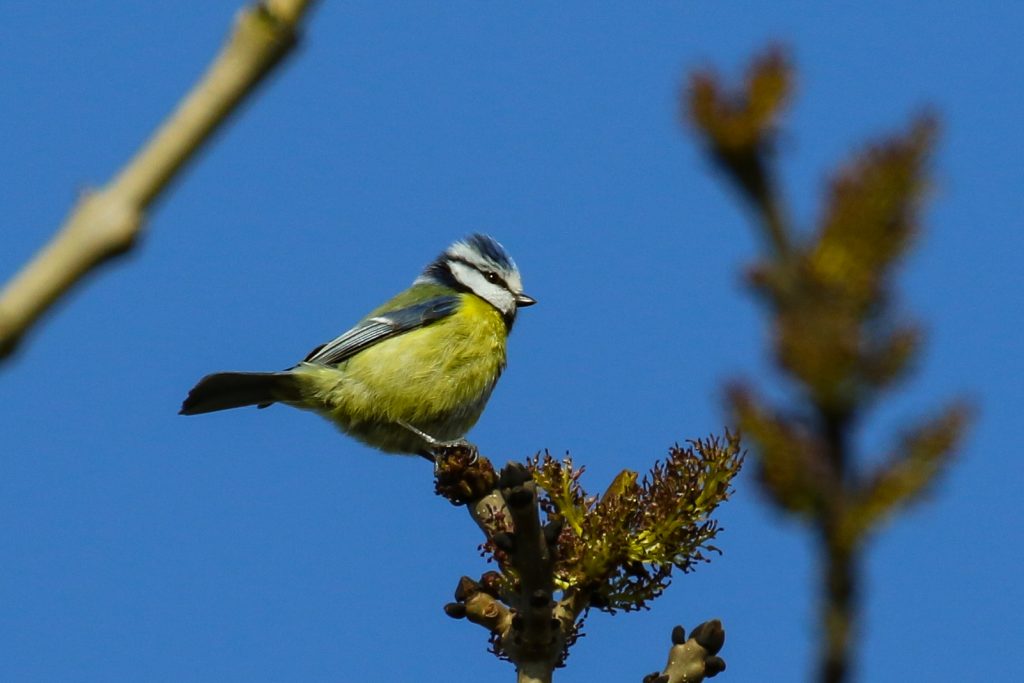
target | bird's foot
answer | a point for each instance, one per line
(438, 450)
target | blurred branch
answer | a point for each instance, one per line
(739, 130)
(834, 332)
(106, 222)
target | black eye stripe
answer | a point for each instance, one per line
(490, 276)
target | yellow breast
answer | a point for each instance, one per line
(437, 378)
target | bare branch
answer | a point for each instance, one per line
(537, 638)
(106, 222)
(519, 612)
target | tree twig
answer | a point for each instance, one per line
(693, 659)
(106, 222)
(527, 631)
(537, 638)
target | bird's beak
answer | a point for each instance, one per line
(522, 300)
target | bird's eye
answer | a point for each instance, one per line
(493, 278)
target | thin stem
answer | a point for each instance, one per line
(750, 172)
(840, 608)
(774, 220)
(839, 613)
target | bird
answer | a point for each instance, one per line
(412, 376)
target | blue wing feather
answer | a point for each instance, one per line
(383, 326)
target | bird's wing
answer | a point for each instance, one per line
(383, 326)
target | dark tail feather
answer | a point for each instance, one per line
(225, 390)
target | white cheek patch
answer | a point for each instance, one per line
(496, 295)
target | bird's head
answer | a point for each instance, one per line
(480, 265)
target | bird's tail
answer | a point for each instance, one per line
(224, 390)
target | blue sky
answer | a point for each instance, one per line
(265, 546)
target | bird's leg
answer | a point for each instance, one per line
(438, 449)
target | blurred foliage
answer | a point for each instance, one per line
(790, 465)
(829, 291)
(835, 334)
(620, 548)
(908, 472)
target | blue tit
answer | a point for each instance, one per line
(415, 372)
